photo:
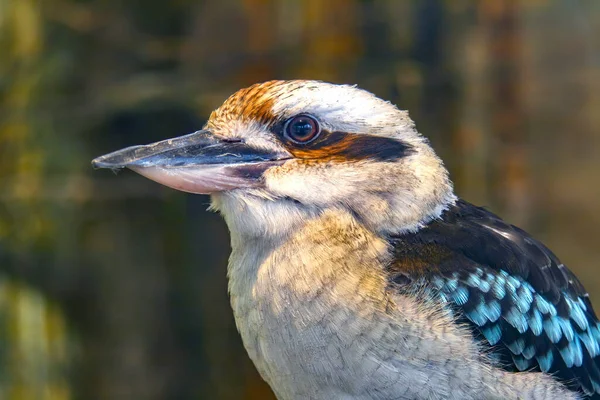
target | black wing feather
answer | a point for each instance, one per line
(511, 289)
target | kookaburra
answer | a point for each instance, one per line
(356, 272)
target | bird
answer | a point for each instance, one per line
(356, 272)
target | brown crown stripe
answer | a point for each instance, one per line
(254, 103)
(345, 146)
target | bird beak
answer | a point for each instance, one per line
(197, 163)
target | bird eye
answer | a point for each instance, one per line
(302, 128)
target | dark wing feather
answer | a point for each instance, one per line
(513, 290)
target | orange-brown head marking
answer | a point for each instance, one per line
(251, 104)
(264, 104)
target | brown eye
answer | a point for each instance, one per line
(302, 128)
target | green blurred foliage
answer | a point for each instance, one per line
(113, 287)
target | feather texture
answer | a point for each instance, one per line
(515, 293)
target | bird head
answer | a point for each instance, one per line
(278, 153)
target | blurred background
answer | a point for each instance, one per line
(113, 287)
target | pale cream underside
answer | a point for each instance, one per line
(318, 319)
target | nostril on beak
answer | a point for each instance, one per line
(232, 140)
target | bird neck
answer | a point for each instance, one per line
(323, 243)
(287, 238)
(333, 251)
(253, 217)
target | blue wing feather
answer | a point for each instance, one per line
(513, 290)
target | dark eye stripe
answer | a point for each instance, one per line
(345, 146)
